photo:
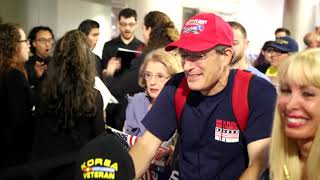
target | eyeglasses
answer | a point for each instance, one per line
(25, 41)
(44, 41)
(269, 50)
(193, 57)
(276, 52)
(158, 77)
(123, 24)
(200, 56)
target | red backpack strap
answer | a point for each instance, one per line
(240, 104)
(180, 98)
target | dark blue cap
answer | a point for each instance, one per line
(285, 44)
(104, 158)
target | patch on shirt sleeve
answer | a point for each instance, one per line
(226, 131)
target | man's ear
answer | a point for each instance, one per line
(228, 52)
(247, 43)
(33, 43)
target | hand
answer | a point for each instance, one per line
(114, 64)
(165, 153)
(39, 68)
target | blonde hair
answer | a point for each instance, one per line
(302, 69)
(170, 61)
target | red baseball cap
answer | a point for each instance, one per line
(203, 31)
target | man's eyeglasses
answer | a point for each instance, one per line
(123, 24)
(193, 57)
(158, 77)
(44, 41)
(200, 56)
(25, 41)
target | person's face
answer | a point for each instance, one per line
(146, 33)
(277, 57)
(204, 69)
(313, 44)
(299, 107)
(280, 34)
(93, 37)
(23, 55)
(267, 54)
(156, 75)
(240, 44)
(43, 43)
(127, 27)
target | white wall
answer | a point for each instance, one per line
(60, 15)
(10, 12)
(171, 7)
(72, 12)
(260, 18)
(41, 12)
(296, 13)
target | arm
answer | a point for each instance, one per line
(99, 121)
(259, 126)
(113, 65)
(19, 100)
(131, 125)
(258, 159)
(143, 152)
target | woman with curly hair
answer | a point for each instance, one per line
(295, 140)
(71, 110)
(15, 97)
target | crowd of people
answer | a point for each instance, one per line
(191, 98)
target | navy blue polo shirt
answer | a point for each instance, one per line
(212, 146)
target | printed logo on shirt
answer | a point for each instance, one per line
(226, 131)
(99, 168)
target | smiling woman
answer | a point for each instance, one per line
(295, 138)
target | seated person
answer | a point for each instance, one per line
(157, 68)
(155, 71)
(283, 47)
(262, 63)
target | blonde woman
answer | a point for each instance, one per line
(295, 148)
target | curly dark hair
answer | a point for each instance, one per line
(68, 89)
(10, 48)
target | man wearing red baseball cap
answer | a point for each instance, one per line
(213, 144)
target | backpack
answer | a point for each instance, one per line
(239, 98)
